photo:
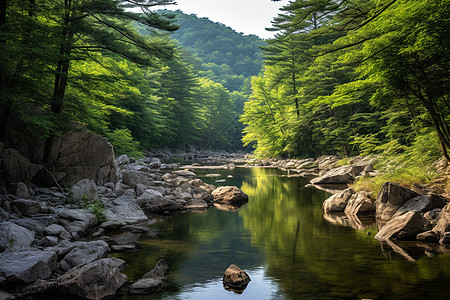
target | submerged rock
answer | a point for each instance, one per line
(235, 278)
(152, 281)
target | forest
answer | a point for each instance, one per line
(145, 79)
(338, 77)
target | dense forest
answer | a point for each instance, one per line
(124, 74)
(354, 77)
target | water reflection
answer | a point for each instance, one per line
(289, 249)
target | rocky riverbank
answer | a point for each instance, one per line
(41, 228)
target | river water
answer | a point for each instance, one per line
(286, 245)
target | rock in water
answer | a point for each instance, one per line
(152, 281)
(95, 280)
(229, 195)
(236, 278)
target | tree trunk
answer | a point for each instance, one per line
(5, 108)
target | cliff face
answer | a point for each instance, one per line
(74, 156)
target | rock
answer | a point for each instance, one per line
(122, 160)
(17, 167)
(185, 173)
(445, 239)
(77, 221)
(125, 211)
(235, 277)
(161, 204)
(149, 195)
(21, 190)
(82, 154)
(124, 248)
(95, 280)
(229, 195)
(402, 227)
(6, 296)
(152, 281)
(34, 264)
(429, 236)
(27, 207)
(423, 203)
(196, 204)
(391, 197)
(443, 222)
(340, 175)
(84, 189)
(14, 237)
(57, 230)
(326, 162)
(359, 204)
(337, 202)
(120, 263)
(38, 287)
(132, 178)
(48, 241)
(84, 252)
(36, 224)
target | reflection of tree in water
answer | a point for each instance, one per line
(313, 258)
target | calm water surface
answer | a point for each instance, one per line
(288, 248)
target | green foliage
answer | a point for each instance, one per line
(96, 207)
(123, 143)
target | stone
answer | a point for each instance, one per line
(422, 203)
(185, 173)
(57, 230)
(340, 175)
(445, 239)
(196, 204)
(34, 265)
(40, 286)
(390, 198)
(160, 205)
(36, 224)
(27, 207)
(125, 210)
(359, 204)
(95, 280)
(402, 227)
(48, 241)
(120, 263)
(21, 190)
(124, 248)
(337, 202)
(81, 154)
(82, 215)
(229, 195)
(235, 277)
(152, 281)
(443, 222)
(132, 178)
(17, 167)
(85, 190)
(84, 252)
(14, 237)
(6, 296)
(429, 236)
(122, 160)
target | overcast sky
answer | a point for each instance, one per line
(247, 16)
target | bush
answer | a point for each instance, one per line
(123, 143)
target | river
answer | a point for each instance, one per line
(282, 240)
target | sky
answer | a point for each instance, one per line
(246, 16)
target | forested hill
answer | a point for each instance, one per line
(225, 56)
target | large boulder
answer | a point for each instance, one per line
(27, 207)
(125, 211)
(17, 167)
(359, 204)
(443, 223)
(340, 175)
(235, 277)
(337, 202)
(84, 252)
(77, 221)
(132, 178)
(402, 227)
(95, 280)
(158, 205)
(229, 195)
(82, 154)
(152, 281)
(422, 203)
(391, 197)
(14, 237)
(27, 266)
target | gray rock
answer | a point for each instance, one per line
(57, 230)
(14, 237)
(27, 207)
(36, 224)
(126, 211)
(124, 248)
(120, 263)
(27, 266)
(229, 195)
(17, 167)
(359, 204)
(337, 202)
(402, 227)
(95, 280)
(21, 190)
(149, 194)
(122, 160)
(443, 223)
(152, 281)
(6, 296)
(423, 203)
(4, 215)
(84, 252)
(160, 205)
(196, 204)
(340, 175)
(429, 236)
(185, 173)
(391, 197)
(132, 178)
(48, 241)
(84, 189)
